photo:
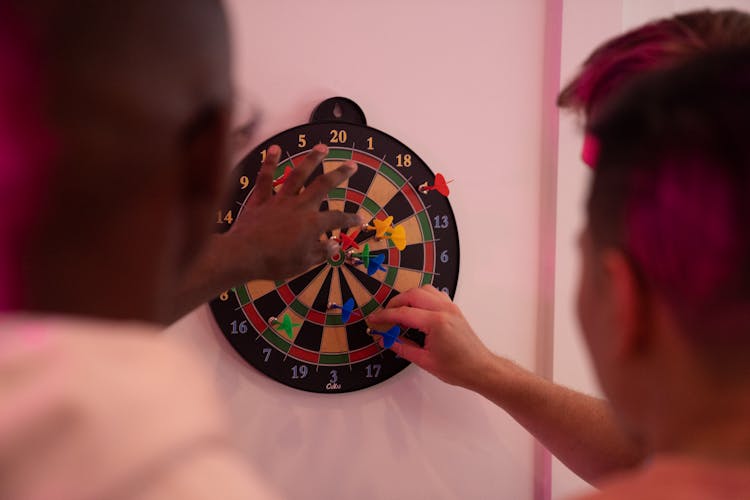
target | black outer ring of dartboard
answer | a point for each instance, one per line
(250, 346)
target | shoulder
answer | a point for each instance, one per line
(674, 477)
(128, 403)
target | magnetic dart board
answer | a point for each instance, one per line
(310, 332)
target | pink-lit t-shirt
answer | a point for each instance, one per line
(94, 410)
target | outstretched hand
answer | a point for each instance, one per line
(280, 236)
(452, 351)
(274, 237)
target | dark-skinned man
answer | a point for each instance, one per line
(114, 136)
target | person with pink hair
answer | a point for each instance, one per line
(582, 431)
(663, 299)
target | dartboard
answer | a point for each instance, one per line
(310, 332)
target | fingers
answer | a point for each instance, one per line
(318, 190)
(422, 298)
(322, 251)
(264, 184)
(405, 316)
(301, 173)
(327, 221)
(407, 349)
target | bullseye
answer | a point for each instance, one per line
(337, 259)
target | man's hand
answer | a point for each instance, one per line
(280, 236)
(452, 350)
(275, 237)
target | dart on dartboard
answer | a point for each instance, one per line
(346, 241)
(398, 236)
(441, 186)
(381, 227)
(373, 263)
(281, 180)
(285, 325)
(346, 310)
(389, 338)
(363, 256)
(376, 264)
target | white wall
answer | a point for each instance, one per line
(580, 36)
(460, 83)
(571, 363)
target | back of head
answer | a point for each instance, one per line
(672, 191)
(654, 46)
(121, 91)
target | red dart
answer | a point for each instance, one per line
(347, 242)
(281, 180)
(441, 186)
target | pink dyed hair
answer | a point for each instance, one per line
(653, 46)
(671, 188)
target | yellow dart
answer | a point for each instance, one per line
(398, 237)
(381, 227)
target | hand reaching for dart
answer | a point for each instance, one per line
(452, 351)
(276, 236)
(279, 236)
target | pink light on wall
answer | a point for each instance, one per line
(25, 150)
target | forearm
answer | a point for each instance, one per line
(214, 271)
(578, 429)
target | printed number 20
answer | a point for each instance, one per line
(338, 137)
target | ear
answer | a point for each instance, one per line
(629, 303)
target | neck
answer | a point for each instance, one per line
(108, 275)
(705, 420)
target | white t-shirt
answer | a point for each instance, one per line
(95, 410)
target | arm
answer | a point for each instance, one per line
(579, 430)
(274, 237)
